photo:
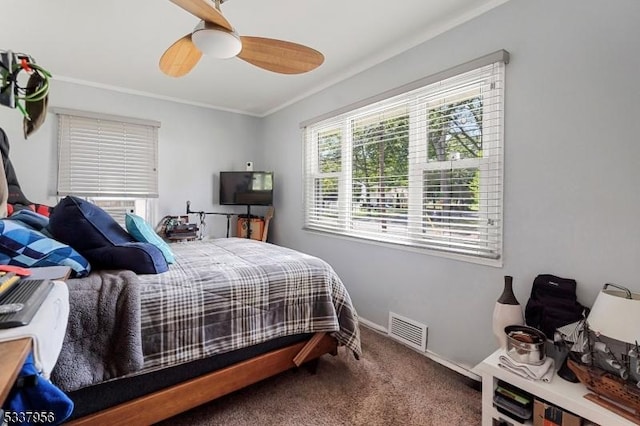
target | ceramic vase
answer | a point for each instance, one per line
(507, 311)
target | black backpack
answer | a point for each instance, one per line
(553, 303)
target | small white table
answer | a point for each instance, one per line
(46, 329)
(566, 395)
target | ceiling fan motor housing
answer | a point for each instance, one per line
(216, 41)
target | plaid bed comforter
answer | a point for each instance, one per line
(230, 293)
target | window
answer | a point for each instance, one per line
(420, 167)
(112, 161)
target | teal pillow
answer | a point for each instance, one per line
(142, 232)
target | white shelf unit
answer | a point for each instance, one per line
(566, 395)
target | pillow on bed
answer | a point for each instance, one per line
(141, 258)
(98, 237)
(141, 231)
(85, 226)
(22, 246)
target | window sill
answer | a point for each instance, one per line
(496, 263)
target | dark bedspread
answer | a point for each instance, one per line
(230, 293)
(220, 295)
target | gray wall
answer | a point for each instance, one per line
(194, 145)
(572, 160)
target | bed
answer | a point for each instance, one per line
(228, 313)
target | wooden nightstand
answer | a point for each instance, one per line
(12, 356)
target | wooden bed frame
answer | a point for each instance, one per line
(174, 400)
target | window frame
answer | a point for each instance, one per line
(144, 201)
(342, 120)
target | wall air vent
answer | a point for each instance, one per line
(408, 331)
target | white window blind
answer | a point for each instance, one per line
(422, 168)
(105, 156)
(118, 208)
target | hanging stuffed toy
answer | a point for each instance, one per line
(36, 107)
(31, 99)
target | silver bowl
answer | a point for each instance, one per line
(525, 344)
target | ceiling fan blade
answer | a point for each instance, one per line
(279, 56)
(180, 57)
(205, 10)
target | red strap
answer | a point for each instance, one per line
(43, 210)
(25, 65)
(17, 269)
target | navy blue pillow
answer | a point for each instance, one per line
(85, 226)
(101, 240)
(141, 258)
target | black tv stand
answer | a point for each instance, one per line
(203, 213)
(249, 217)
(248, 221)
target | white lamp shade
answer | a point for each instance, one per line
(615, 316)
(216, 41)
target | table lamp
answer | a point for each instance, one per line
(615, 315)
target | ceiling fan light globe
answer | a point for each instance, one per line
(217, 42)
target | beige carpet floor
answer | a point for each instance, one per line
(390, 385)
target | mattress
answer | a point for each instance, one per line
(107, 394)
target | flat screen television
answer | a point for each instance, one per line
(246, 188)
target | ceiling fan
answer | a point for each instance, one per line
(215, 36)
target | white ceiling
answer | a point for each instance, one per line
(117, 43)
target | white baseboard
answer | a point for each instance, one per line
(465, 371)
(373, 325)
